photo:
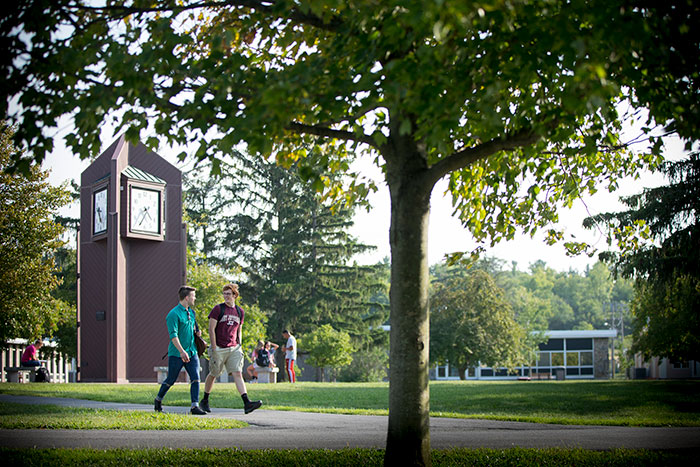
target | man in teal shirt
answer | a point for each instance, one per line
(182, 350)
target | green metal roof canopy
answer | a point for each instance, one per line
(137, 174)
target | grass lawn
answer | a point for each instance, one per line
(642, 403)
(626, 403)
(41, 416)
(340, 458)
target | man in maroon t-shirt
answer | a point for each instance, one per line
(225, 351)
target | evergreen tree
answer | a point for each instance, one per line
(303, 272)
(666, 269)
(292, 250)
(215, 198)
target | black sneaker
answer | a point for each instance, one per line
(252, 405)
(205, 405)
(157, 405)
(197, 411)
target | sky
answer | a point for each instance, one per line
(446, 234)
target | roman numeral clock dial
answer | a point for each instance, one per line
(145, 213)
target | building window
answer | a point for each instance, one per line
(553, 344)
(572, 359)
(586, 358)
(557, 358)
(579, 344)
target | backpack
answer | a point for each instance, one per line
(263, 358)
(42, 376)
(222, 308)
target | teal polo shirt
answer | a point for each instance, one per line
(182, 327)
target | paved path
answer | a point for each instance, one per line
(302, 430)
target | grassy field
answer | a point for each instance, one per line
(41, 416)
(625, 403)
(635, 403)
(339, 458)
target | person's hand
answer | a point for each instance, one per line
(185, 358)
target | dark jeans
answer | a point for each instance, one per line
(32, 363)
(175, 364)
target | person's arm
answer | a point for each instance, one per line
(240, 325)
(172, 323)
(212, 332)
(274, 346)
(183, 355)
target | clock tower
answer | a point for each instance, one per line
(131, 262)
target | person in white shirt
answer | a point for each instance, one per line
(290, 349)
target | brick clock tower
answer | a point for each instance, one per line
(131, 262)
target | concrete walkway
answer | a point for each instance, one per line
(301, 430)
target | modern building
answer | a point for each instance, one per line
(565, 355)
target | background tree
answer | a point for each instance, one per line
(224, 208)
(515, 102)
(292, 248)
(666, 269)
(28, 239)
(472, 322)
(328, 348)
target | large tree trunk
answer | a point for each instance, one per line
(408, 439)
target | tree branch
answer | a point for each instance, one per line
(471, 155)
(329, 133)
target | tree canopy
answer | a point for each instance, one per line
(514, 101)
(328, 348)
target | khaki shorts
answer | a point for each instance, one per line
(230, 358)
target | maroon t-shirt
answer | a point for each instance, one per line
(227, 326)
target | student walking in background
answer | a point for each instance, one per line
(290, 349)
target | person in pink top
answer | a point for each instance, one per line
(29, 356)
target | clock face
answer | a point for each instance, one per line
(99, 211)
(145, 211)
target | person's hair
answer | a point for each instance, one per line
(285, 332)
(38, 342)
(261, 344)
(233, 288)
(184, 291)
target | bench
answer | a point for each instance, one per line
(267, 375)
(21, 374)
(541, 376)
(162, 372)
